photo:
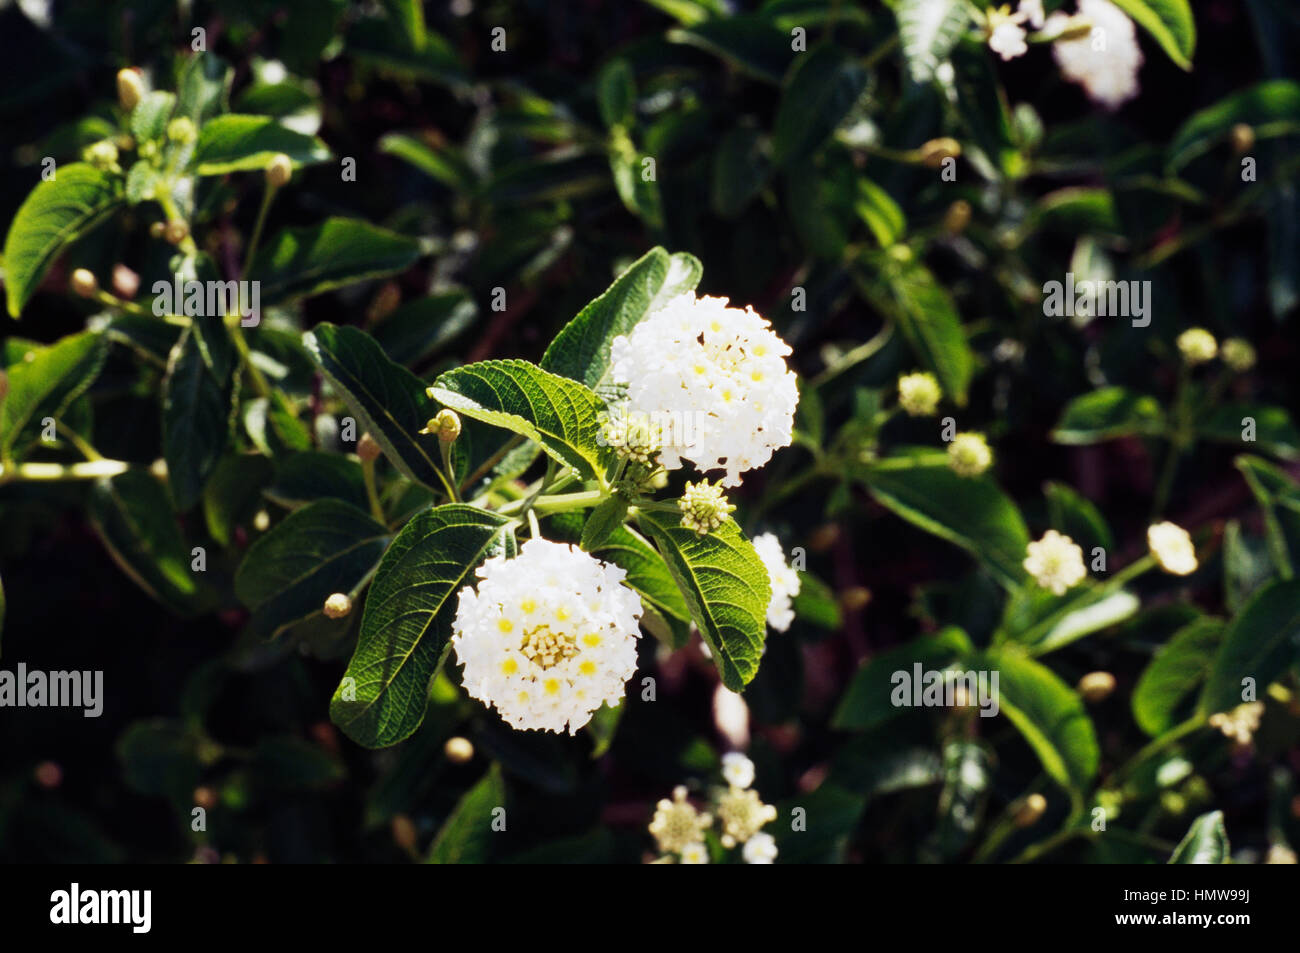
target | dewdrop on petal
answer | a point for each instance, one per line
(969, 454)
(760, 849)
(718, 374)
(919, 394)
(785, 581)
(737, 770)
(1197, 346)
(677, 825)
(742, 814)
(704, 507)
(1055, 562)
(1172, 547)
(547, 637)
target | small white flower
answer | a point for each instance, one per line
(719, 375)
(919, 394)
(1197, 346)
(1105, 62)
(1055, 562)
(730, 714)
(760, 849)
(1007, 39)
(548, 637)
(785, 581)
(695, 853)
(969, 454)
(737, 769)
(1032, 11)
(1172, 547)
(677, 826)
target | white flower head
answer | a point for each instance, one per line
(1197, 346)
(548, 636)
(1055, 562)
(1172, 547)
(1104, 62)
(695, 853)
(719, 374)
(1032, 11)
(742, 814)
(969, 454)
(760, 849)
(1007, 39)
(784, 579)
(737, 769)
(730, 714)
(919, 393)
(677, 825)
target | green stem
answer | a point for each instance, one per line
(90, 470)
(368, 474)
(260, 385)
(854, 357)
(444, 448)
(561, 503)
(486, 466)
(268, 193)
(84, 448)
(1171, 736)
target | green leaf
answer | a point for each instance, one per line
(639, 193)
(314, 475)
(603, 520)
(421, 328)
(1274, 431)
(1169, 22)
(741, 168)
(233, 494)
(1279, 498)
(971, 512)
(867, 701)
(150, 115)
(1048, 714)
(929, 29)
(441, 163)
(557, 413)
(1044, 622)
(1259, 643)
(466, 836)
(1077, 517)
(46, 385)
(1174, 672)
(196, 415)
(749, 43)
(234, 143)
(822, 87)
(1106, 414)
(300, 262)
(967, 782)
(1206, 842)
(134, 519)
(385, 397)
(160, 758)
(1246, 565)
(726, 587)
(406, 626)
(325, 547)
(55, 214)
(881, 213)
(581, 350)
(924, 312)
(616, 93)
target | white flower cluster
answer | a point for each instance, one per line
(1055, 562)
(1172, 547)
(723, 369)
(679, 829)
(548, 636)
(1105, 62)
(785, 581)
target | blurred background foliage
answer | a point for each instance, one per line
(795, 179)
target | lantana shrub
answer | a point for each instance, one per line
(921, 486)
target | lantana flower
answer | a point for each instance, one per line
(919, 394)
(1055, 562)
(547, 637)
(719, 374)
(784, 579)
(1172, 547)
(969, 454)
(1106, 60)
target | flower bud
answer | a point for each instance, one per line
(49, 775)
(1243, 138)
(130, 88)
(338, 605)
(1197, 346)
(205, 798)
(919, 394)
(855, 598)
(176, 232)
(279, 170)
(125, 282)
(445, 425)
(969, 454)
(1238, 354)
(368, 448)
(404, 834)
(704, 507)
(181, 129)
(1096, 686)
(157, 230)
(1030, 810)
(102, 155)
(957, 217)
(84, 283)
(458, 750)
(934, 152)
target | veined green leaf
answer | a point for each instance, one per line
(299, 262)
(1206, 842)
(557, 413)
(385, 397)
(1259, 644)
(726, 586)
(929, 29)
(406, 626)
(326, 547)
(581, 350)
(1175, 671)
(47, 385)
(235, 143)
(1169, 22)
(466, 836)
(867, 701)
(1106, 414)
(55, 214)
(822, 87)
